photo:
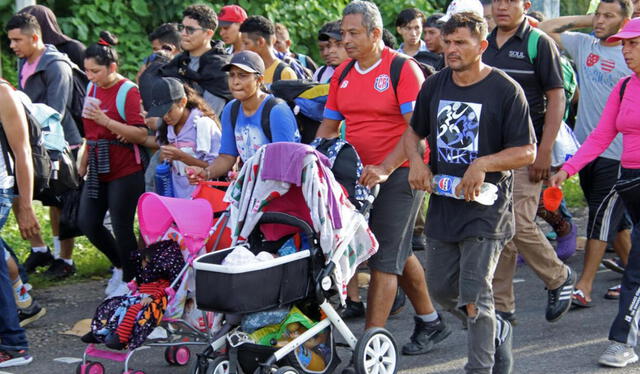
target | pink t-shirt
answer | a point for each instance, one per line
(28, 70)
(617, 117)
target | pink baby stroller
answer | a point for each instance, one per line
(190, 224)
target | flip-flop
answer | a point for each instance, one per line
(579, 300)
(613, 293)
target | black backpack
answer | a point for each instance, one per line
(396, 68)
(79, 92)
(39, 155)
(265, 121)
(150, 75)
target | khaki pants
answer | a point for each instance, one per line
(530, 242)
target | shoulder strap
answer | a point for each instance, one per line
(265, 119)
(623, 87)
(235, 110)
(321, 72)
(121, 98)
(302, 59)
(277, 74)
(396, 69)
(532, 44)
(346, 70)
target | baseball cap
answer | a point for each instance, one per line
(246, 60)
(629, 31)
(330, 30)
(231, 14)
(459, 6)
(165, 92)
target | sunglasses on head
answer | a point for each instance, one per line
(189, 29)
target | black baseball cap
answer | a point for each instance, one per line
(165, 92)
(248, 61)
(330, 30)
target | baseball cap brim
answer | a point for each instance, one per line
(623, 35)
(225, 23)
(244, 67)
(159, 110)
(329, 35)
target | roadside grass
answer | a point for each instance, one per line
(90, 263)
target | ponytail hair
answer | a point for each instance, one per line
(194, 101)
(103, 52)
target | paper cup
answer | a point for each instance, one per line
(88, 102)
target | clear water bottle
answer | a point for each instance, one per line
(164, 182)
(445, 185)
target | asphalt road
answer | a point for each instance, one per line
(571, 345)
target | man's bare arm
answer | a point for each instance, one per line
(329, 128)
(556, 26)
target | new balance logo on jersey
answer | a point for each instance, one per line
(344, 84)
(516, 54)
(382, 83)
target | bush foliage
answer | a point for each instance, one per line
(132, 20)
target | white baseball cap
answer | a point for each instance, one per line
(459, 6)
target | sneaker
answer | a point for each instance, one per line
(503, 358)
(398, 302)
(352, 310)
(618, 355)
(114, 282)
(566, 244)
(31, 313)
(425, 335)
(419, 242)
(60, 269)
(613, 264)
(508, 316)
(559, 300)
(14, 358)
(37, 259)
(121, 290)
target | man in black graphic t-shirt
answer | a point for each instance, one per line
(476, 121)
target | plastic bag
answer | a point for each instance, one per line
(565, 146)
(270, 335)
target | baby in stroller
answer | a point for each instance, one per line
(126, 321)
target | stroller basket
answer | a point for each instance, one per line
(253, 287)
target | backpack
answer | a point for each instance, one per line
(306, 100)
(623, 87)
(39, 155)
(76, 104)
(395, 70)
(286, 61)
(568, 73)
(150, 75)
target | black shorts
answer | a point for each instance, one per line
(607, 215)
(392, 221)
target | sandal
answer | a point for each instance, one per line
(613, 293)
(579, 300)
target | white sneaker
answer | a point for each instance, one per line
(120, 290)
(114, 282)
(618, 355)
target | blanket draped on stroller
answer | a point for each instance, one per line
(271, 172)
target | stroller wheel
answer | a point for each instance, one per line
(286, 370)
(219, 365)
(170, 354)
(376, 352)
(90, 368)
(182, 355)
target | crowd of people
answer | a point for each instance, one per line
(479, 93)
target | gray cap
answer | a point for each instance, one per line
(246, 60)
(330, 30)
(165, 92)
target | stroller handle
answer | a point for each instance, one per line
(286, 219)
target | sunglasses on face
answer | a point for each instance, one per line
(189, 29)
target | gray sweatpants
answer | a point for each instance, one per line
(458, 274)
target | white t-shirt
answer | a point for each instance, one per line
(599, 69)
(6, 180)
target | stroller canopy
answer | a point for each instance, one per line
(193, 218)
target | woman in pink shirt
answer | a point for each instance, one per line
(621, 115)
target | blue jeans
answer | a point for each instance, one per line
(12, 336)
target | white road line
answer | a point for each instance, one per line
(518, 280)
(67, 360)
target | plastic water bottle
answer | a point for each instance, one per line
(445, 185)
(164, 182)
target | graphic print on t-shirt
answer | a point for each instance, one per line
(458, 128)
(249, 139)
